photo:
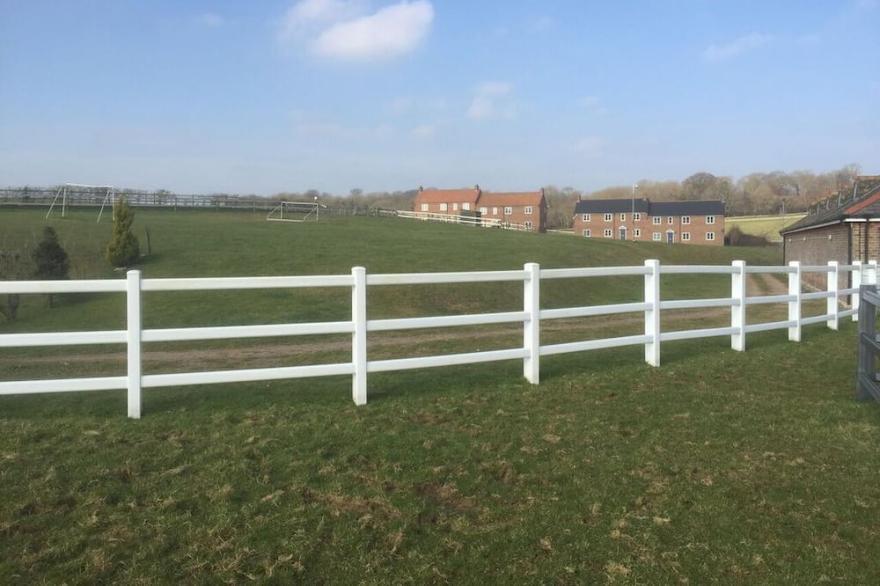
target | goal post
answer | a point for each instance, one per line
(64, 192)
(296, 211)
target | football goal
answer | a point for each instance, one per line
(65, 192)
(296, 211)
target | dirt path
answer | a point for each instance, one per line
(758, 285)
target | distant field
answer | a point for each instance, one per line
(765, 226)
(719, 466)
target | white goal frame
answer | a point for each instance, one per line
(63, 190)
(309, 211)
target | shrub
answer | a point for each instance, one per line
(123, 249)
(50, 259)
(736, 237)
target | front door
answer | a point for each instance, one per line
(670, 237)
(622, 233)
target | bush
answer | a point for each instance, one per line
(123, 249)
(736, 237)
(50, 259)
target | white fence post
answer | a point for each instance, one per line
(133, 327)
(532, 323)
(359, 335)
(738, 309)
(855, 283)
(652, 313)
(831, 303)
(871, 277)
(794, 307)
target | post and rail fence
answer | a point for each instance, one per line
(360, 366)
(869, 343)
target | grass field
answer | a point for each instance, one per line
(764, 226)
(717, 467)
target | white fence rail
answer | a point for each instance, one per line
(484, 221)
(359, 281)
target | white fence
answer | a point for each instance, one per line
(358, 281)
(482, 221)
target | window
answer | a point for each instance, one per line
(443, 207)
(455, 206)
(710, 219)
(656, 236)
(656, 220)
(608, 217)
(466, 206)
(637, 217)
(528, 210)
(587, 218)
(623, 217)
(670, 219)
(685, 236)
(637, 233)
(587, 233)
(426, 207)
(685, 220)
(607, 233)
(494, 211)
(484, 211)
(527, 224)
(710, 235)
(508, 210)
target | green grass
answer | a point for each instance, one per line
(764, 226)
(755, 467)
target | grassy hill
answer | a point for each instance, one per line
(764, 226)
(752, 467)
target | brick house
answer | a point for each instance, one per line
(526, 208)
(845, 228)
(447, 201)
(687, 222)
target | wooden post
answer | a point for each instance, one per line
(652, 313)
(133, 337)
(359, 335)
(856, 282)
(738, 309)
(831, 305)
(794, 307)
(532, 323)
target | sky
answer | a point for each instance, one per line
(271, 96)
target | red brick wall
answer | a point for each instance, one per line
(697, 229)
(518, 215)
(817, 247)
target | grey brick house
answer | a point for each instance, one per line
(845, 228)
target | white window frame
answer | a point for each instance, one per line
(685, 220)
(608, 233)
(623, 217)
(444, 207)
(508, 211)
(670, 219)
(455, 206)
(466, 206)
(710, 219)
(656, 220)
(637, 233)
(588, 233)
(528, 224)
(608, 217)
(426, 207)
(656, 237)
(710, 236)
(637, 217)
(587, 217)
(685, 236)
(494, 210)
(484, 211)
(528, 211)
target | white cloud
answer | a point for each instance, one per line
(593, 104)
(424, 131)
(492, 100)
(589, 146)
(345, 30)
(736, 47)
(210, 20)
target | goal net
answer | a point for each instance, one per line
(80, 194)
(296, 211)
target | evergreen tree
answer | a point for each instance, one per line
(50, 259)
(123, 249)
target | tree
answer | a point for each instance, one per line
(14, 265)
(123, 249)
(50, 259)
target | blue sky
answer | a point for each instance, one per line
(261, 97)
